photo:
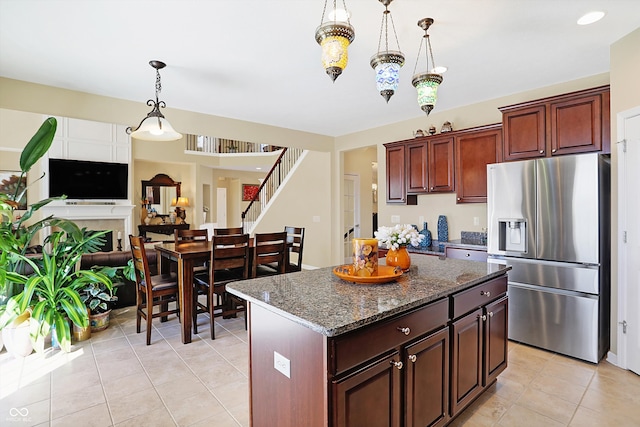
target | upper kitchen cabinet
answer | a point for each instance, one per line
(576, 122)
(430, 167)
(475, 149)
(396, 175)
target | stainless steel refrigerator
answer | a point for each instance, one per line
(550, 220)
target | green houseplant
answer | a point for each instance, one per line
(46, 286)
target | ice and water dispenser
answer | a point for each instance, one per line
(512, 235)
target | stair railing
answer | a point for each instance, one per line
(271, 183)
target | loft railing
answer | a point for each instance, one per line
(271, 183)
(213, 145)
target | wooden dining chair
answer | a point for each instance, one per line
(229, 262)
(190, 236)
(227, 231)
(269, 249)
(295, 244)
(151, 291)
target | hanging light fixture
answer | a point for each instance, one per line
(155, 127)
(334, 36)
(387, 63)
(426, 83)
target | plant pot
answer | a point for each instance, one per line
(100, 321)
(399, 258)
(81, 334)
(16, 337)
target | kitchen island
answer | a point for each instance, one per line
(414, 352)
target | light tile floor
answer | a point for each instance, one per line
(114, 379)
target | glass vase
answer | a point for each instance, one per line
(399, 258)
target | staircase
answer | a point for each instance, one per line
(281, 168)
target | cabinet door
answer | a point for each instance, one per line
(495, 338)
(427, 381)
(396, 186)
(417, 172)
(466, 360)
(474, 151)
(441, 166)
(369, 397)
(524, 133)
(576, 125)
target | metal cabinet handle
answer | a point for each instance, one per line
(405, 331)
(467, 254)
(554, 150)
(398, 365)
(459, 198)
(412, 358)
(483, 317)
(433, 188)
(486, 294)
(541, 151)
(490, 314)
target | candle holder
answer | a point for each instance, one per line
(119, 245)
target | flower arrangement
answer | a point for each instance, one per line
(398, 235)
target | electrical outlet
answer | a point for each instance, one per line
(316, 218)
(476, 220)
(282, 364)
(395, 219)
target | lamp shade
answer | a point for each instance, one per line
(334, 38)
(156, 129)
(180, 202)
(387, 67)
(426, 85)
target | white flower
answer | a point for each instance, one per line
(398, 235)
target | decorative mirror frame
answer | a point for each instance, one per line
(161, 180)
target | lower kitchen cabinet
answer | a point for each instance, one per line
(426, 389)
(479, 341)
(370, 396)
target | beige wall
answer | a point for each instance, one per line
(625, 94)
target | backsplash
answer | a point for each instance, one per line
(473, 237)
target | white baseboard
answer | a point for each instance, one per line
(612, 358)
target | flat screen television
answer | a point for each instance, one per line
(80, 179)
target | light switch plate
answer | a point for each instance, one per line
(476, 220)
(282, 364)
(316, 218)
(395, 219)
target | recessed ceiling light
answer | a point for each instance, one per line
(439, 70)
(591, 17)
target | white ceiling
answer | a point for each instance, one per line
(258, 60)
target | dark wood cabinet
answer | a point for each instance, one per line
(478, 341)
(475, 149)
(441, 165)
(464, 253)
(426, 386)
(418, 167)
(576, 122)
(396, 175)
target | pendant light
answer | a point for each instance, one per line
(155, 127)
(387, 63)
(426, 83)
(335, 36)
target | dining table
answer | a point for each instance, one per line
(186, 256)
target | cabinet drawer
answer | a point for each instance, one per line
(468, 254)
(477, 296)
(354, 348)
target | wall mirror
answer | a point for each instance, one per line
(160, 191)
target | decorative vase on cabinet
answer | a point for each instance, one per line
(399, 258)
(426, 242)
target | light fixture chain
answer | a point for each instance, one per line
(394, 32)
(158, 84)
(418, 56)
(324, 10)
(431, 52)
(381, 30)
(346, 12)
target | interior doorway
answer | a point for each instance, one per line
(629, 240)
(351, 213)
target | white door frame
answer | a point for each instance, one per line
(625, 307)
(356, 207)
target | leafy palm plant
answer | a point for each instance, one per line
(53, 289)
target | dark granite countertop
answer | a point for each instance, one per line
(326, 304)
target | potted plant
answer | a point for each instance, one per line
(97, 297)
(53, 289)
